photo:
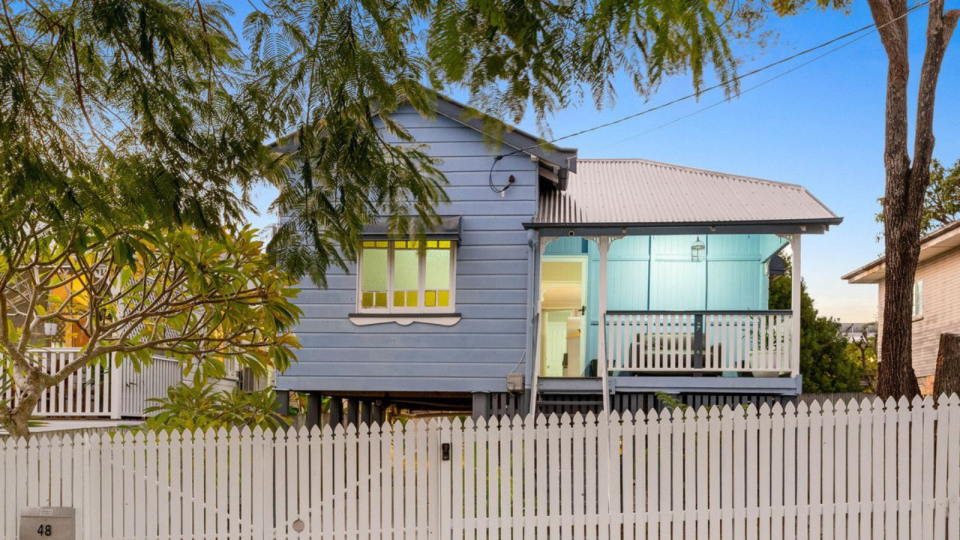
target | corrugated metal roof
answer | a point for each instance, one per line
(636, 191)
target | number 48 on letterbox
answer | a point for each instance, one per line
(48, 523)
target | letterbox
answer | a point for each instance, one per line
(48, 523)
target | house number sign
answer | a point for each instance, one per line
(48, 523)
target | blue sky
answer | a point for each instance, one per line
(820, 126)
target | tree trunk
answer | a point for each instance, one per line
(906, 182)
(16, 420)
(29, 382)
(947, 379)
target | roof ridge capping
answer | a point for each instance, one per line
(732, 176)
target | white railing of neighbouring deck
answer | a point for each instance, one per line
(758, 342)
(100, 389)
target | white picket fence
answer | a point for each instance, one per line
(858, 471)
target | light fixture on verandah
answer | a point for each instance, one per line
(697, 250)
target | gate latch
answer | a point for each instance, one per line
(445, 451)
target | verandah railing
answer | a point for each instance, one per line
(707, 341)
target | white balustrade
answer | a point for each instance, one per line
(758, 342)
(98, 390)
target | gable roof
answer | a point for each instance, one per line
(642, 193)
(513, 138)
(936, 243)
(564, 158)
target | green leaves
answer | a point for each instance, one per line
(142, 292)
(941, 204)
(204, 407)
(124, 111)
(334, 72)
(826, 363)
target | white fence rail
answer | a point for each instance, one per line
(860, 471)
(651, 341)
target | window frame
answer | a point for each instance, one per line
(421, 309)
(917, 300)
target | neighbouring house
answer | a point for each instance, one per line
(854, 332)
(559, 283)
(101, 395)
(936, 297)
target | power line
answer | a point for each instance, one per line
(734, 79)
(752, 88)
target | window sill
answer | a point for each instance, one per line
(404, 319)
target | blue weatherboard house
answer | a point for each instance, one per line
(559, 283)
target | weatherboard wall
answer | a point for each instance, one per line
(493, 259)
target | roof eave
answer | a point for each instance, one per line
(874, 271)
(565, 158)
(786, 226)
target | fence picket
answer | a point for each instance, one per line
(814, 514)
(952, 468)
(845, 470)
(764, 480)
(565, 467)
(397, 461)
(890, 418)
(553, 475)
(916, 467)
(828, 497)
(927, 483)
(777, 459)
(866, 471)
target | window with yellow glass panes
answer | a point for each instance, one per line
(406, 276)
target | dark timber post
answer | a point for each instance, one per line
(314, 409)
(376, 411)
(336, 411)
(353, 416)
(365, 416)
(481, 405)
(698, 344)
(282, 403)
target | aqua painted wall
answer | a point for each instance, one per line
(656, 273)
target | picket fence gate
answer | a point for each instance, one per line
(868, 470)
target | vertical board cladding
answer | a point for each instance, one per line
(656, 273)
(489, 341)
(941, 309)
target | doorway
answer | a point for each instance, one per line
(563, 310)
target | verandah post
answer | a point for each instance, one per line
(795, 306)
(116, 386)
(542, 248)
(603, 243)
